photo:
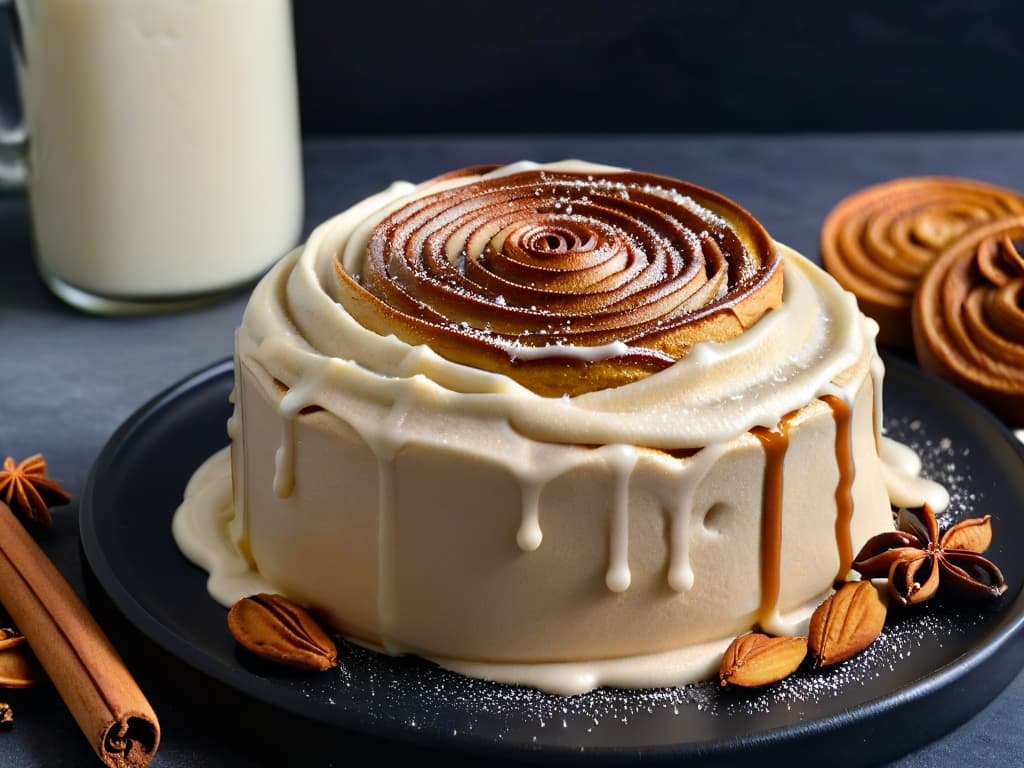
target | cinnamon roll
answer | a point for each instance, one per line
(969, 316)
(880, 241)
(515, 272)
(562, 425)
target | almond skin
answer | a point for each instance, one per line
(754, 660)
(846, 623)
(18, 667)
(275, 628)
(10, 637)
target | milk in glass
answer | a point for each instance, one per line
(163, 160)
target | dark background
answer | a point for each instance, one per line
(654, 66)
(540, 66)
(404, 66)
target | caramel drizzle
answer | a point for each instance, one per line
(775, 443)
(844, 487)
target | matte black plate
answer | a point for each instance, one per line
(931, 670)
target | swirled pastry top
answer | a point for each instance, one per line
(881, 240)
(509, 271)
(969, 316)
(582, 303)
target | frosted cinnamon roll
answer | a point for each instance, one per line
(969, 316)
(879, 241)
(561, 425)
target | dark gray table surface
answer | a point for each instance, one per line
(67, 380)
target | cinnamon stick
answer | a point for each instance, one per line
(86, 670)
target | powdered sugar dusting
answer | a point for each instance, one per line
(413, 685)
(943, 460)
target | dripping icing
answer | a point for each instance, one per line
(386, 441)
(623, 459)
(299, 396)
(844, 485)
(877, 371)
(529, 536)
(680, 571)
(677, 497)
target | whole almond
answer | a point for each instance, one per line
(18, 667)
(753, 660)
(10, 637)
(846, 623)
(275, 628)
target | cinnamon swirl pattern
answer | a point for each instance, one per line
(515, 273)
(969, 316)
(880, 241)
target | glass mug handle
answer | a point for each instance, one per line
(13, 136)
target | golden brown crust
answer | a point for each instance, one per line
(490, 273)
(969, 316)
(879, 241)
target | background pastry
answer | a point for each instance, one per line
(879, 241)
(969, 316)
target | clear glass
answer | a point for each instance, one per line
(163, 162)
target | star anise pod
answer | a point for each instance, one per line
(918, 563)
(28, 491)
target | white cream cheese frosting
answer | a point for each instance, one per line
(621, 536)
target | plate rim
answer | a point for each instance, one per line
(1007, 628)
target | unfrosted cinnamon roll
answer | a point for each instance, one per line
(969, 316)
(879, 241)
(562, 425)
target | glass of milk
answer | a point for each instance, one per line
(163, 162)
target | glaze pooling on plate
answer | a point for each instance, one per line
(618, 536)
